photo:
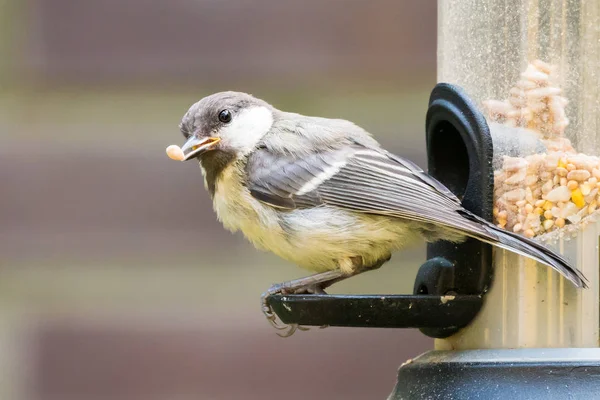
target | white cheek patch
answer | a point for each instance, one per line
(247, 128)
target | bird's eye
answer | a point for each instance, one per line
(225, 116)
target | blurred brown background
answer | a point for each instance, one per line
(116, 281)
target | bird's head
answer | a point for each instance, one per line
(225, 122)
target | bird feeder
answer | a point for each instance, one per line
(533, 69)
(513, 129)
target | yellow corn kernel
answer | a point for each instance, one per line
(562, 163)
(577, 198)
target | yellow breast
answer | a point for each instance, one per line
(238, 210)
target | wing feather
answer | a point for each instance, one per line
(356, 178)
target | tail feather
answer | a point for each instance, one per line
(526, 247)
(529, 248)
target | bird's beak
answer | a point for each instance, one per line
(196, 146)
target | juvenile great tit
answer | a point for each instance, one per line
(323, 194)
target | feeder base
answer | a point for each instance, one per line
(561, 373)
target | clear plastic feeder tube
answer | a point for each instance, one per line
(533, 67)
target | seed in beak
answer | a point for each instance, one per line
(175, 153)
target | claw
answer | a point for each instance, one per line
(286, 288)
(272, 317)
(291, 329)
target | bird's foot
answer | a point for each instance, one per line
(313, 284)
(283, 289)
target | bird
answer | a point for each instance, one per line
(323, 194)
